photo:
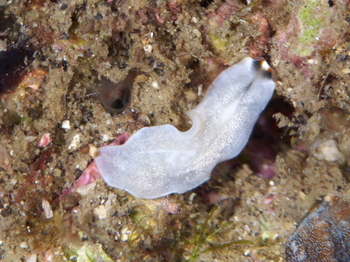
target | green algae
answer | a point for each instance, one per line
(203, 238)
(313, 17)
(220, 44)
(88, 253)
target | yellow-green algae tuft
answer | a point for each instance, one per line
(313, 17)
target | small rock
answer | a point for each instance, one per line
(47, 209)
(75, 142)
(32, 258)
(125, 234)
(5, 160)
(100, 212)
(66, 124)
(23, 245)
(329, 151)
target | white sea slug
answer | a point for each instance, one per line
(160, 160)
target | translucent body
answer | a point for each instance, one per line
(157, 161)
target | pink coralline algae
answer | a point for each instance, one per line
(256, 49)
(45, 140)
(311, 31)
(91, 173)
(323, 236)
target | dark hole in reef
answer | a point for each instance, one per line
(267, 139)
(118, 104)
(8, 21)
(205, 3)
(116, 97)
(13, 66)
(330, 3)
